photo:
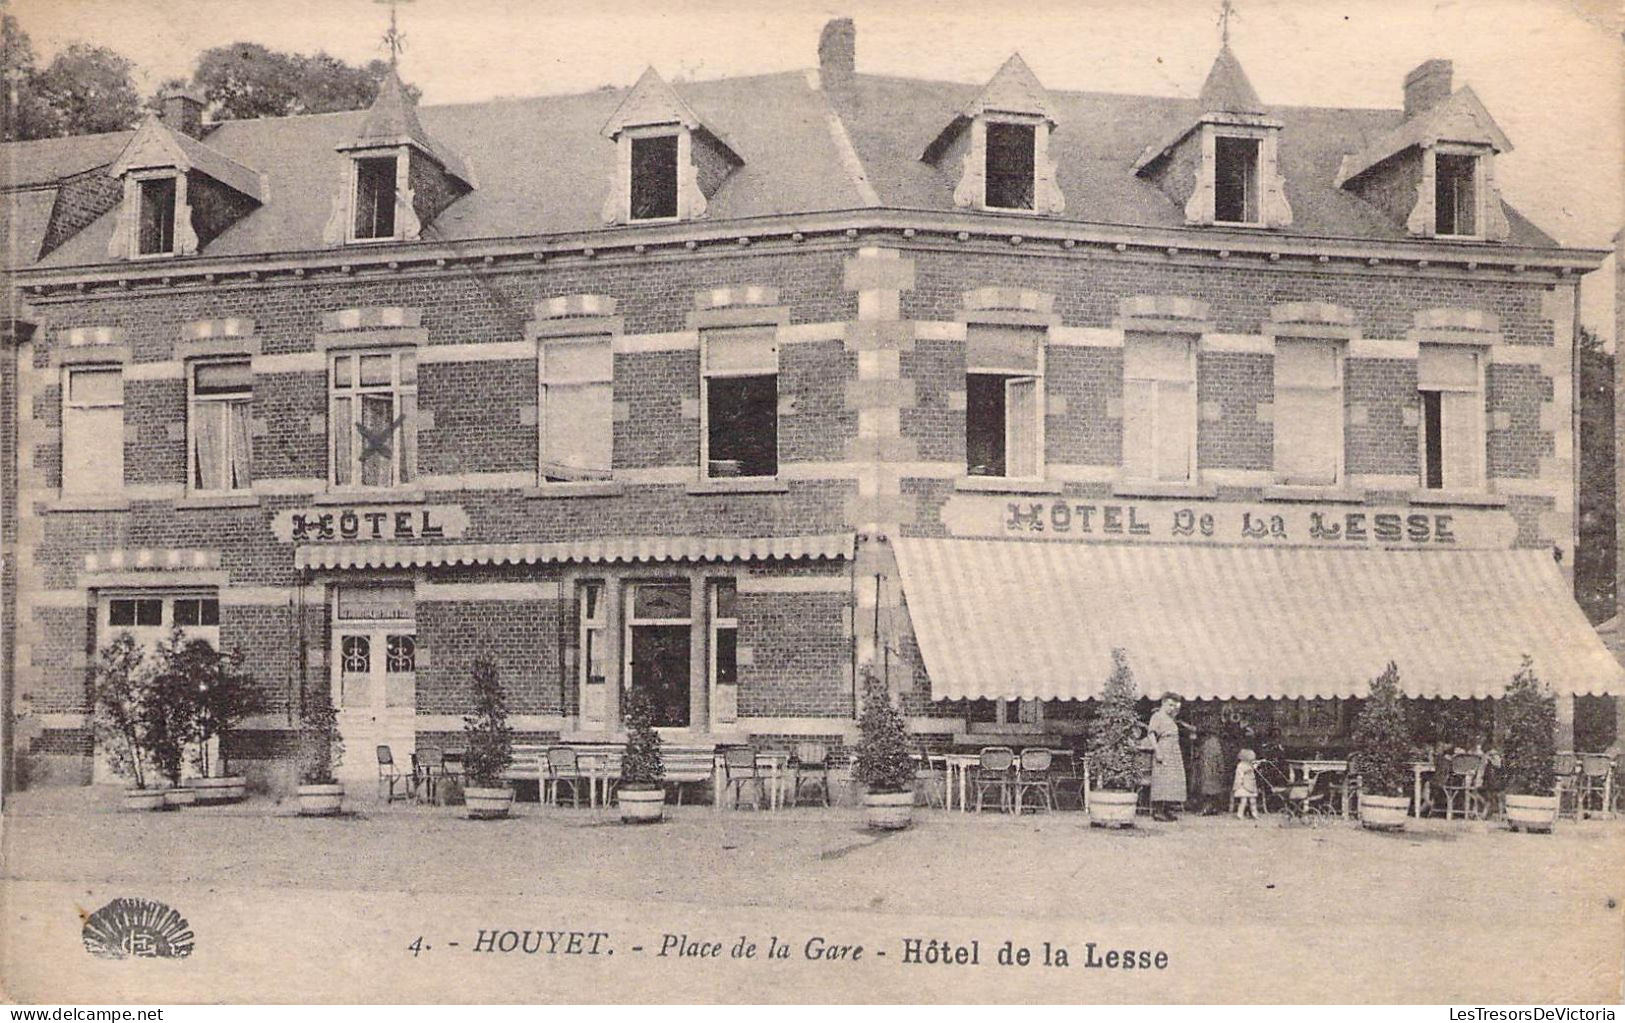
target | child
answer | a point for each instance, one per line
(1244, 790)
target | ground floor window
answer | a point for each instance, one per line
(658, 637)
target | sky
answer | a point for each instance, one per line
(1551, 72)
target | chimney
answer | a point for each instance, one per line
(1427, 86)
(837, 51)
(182, 110)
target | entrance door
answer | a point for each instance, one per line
(660, 669)
(657, 649)
(375, 693)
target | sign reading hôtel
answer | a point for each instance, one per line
(1172, 521)
(366, 523)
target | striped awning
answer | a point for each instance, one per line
(1033, 620)
(605, 549)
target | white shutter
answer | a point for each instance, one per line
(1139, 428)
(577, 431)
(1308, 412)
(1022, 434)
(1461, 415)
(1176, 431)
(93, 432)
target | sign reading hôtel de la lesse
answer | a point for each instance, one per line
(1172, 521)
(365, 523)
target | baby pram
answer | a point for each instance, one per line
(1296, 800)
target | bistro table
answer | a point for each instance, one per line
(603, 768)
(774, 761)
(1308, 770)
(961, 764)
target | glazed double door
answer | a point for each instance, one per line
(375, 694)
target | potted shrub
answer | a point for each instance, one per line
(1382, 754)
(642, 792)
(881, 762)
(321, 750)
(170, 715)
(119, 679)
(1114, 749)
(1528, 751)
(225, 696)
(490, 748)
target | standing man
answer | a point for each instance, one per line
(1167, 764)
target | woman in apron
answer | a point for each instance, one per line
(1168, 763)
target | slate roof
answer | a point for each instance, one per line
(543, 167)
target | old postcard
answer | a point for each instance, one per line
(773, 502)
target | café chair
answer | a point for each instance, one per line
(1466, 779)
(429, 767)
(995, 772)
(811, 764)
(739, 770)
(563, 768)
(1595, 769)
(1032, 775)
(389, 775)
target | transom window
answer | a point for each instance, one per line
(375, 178)
(1159, 408)
(221, 426)
(156, 235)
(740, 385)
(1235, 180)
(149, 616)
(1010, 165)
(654, 177)
(594, 612)
(1455, 200)
(374, 418)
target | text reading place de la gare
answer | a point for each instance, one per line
(911, 950)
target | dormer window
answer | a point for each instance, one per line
(1455, 202)
(1235, 179)
(654, 177)
(375, 185)
(1010, 165)
(157, 231)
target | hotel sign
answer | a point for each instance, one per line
(1244, 524)
(367, 523)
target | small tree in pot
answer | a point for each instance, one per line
(1114, 749)
(1530, 713)
(881, 762)
(1382, 754)
(321, 751)
(225, 696)
(120, 679)
(170, 713)
(490, 747)
(642, 792)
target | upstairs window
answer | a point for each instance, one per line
(1235, 180)
(375, 197)
(1451, 390)
(1159, 408)
(222, 444)
(740, 399)
(157, 230)
(93, 431)
(1455, 198)
(1308, 412)
(374, 418)
(1004, 423)
(654, 177)
(1009, 172)
(577, 408)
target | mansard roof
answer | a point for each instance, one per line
(544, 165)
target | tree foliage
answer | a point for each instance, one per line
(1595, 564)
(83, 90)
(1530, 714)
(120, 680)
(881, 760)
(225, 695)
(246, 80)
(321, 747)
(642, 765)
(1382, 739)
(486, 730)
(1114, 732)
